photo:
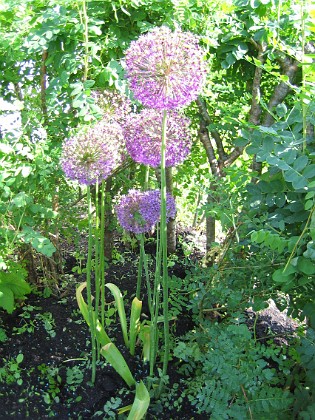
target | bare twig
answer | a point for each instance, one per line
(249, 409)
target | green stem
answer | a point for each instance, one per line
(142, 259)
(86, 40)
(146, 271)
(300, 238)
(97, 255)
(88, 284)
(156, 304)
(139, 274)
(102, 252)
(146, 177)
(163, 239)
(304, 107)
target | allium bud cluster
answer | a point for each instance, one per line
(139, 211)
(143, 135)
(165, 69)
(94, 154)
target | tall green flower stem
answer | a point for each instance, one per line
(155, 305)
(102, 253)
(88, 284)
(146, 177)
(97, 255)
(139, 277)
(163, 244)
(161, 268)
(143, 264)
(99, 251)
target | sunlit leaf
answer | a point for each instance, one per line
(141, 402)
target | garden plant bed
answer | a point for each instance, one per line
(52, 378)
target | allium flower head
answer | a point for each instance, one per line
(165, 69)
(139, 211)
(93, 155)
(143, 135)
(114, 105)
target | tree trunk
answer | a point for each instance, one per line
(215, 166)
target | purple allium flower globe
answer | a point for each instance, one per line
(114, 105)
(143, 135)
(165, 69)
(93, 155)
(139, 211)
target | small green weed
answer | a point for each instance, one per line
(51, 381)
(3, 335)
(11, 371)
(48, 322)
(110, 409)
(30, 321)
(74, 377)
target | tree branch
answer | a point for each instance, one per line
(205, 140)
(255, 110)
(289, 68)
(233, 156)
(214, 133)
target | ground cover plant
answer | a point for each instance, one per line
(157, 209)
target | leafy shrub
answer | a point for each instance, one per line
(27, 186)
(12, 286)
(235, 376)
(304, 393)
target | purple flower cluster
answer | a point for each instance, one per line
(165, 69)
(143, 135)
(94, 154)
(115, 106)
(139, 211)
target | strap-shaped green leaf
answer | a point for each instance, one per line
(141, 402)
(119, 300)
(100, 333)
(145, 337)
(136, 307)
(116, 359)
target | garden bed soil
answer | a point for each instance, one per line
(55, 343)
(53, 379)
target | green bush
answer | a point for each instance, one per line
(235, 376)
